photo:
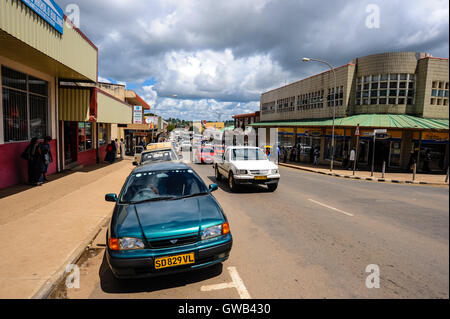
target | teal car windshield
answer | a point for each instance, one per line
(247, 154)
(162, 185)
(162, 155)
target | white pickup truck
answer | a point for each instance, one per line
(246, 165)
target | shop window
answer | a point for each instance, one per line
(25, 106)
(102, 135)
(84, 136)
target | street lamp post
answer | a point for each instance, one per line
(334, 106)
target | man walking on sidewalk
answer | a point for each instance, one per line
(352, 158)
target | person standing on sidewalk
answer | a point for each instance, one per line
(46, 154)
(122, 146)
(116, 143)
(316, 156)
(33, 156)
(352, 158)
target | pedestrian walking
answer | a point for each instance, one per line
(110, 152)
(278, 153)
(426, 161)
(122, 147)
(116, 143)
(316, 156)
(33, 156)
(47, 157)
(352, 158)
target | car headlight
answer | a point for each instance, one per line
(273, 171)
(125, 243)
(215, 231)
(241, 171)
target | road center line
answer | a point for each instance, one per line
(335, 209)
(236, 283)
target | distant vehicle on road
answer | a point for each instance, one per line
(246, 165)
(204, 154)
(185, 146)
(165, 221)
(156, 152)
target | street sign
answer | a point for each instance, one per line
(380, 131)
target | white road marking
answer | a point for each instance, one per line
(236, 283)
(335, 209)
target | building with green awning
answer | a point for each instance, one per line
(406, 93)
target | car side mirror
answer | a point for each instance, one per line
(135, 163)
(111, 197)
(213, 187)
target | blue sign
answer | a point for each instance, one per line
(49, 11)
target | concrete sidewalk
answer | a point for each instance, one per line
(403, 178)
(43, 229)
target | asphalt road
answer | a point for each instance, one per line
(311, 238)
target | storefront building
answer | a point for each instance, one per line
(243, 120)
(35, 56)
(405, 93)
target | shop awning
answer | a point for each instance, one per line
(112, 110)
(134, 99)
(400, 121)
(90, 104)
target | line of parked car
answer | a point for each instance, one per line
(166, 220)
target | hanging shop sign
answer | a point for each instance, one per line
(137, 114)
(49, 11)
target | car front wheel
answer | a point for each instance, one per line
(231, 183)
(272, 187)
(217, 174)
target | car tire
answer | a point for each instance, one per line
(217, 174)
(272, 187)
(231, 183)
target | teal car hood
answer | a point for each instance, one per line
(173, 218)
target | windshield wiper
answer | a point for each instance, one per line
(154, 199)
(193, 195)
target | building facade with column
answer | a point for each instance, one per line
(36, 52)
(406, 93)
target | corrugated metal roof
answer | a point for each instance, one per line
(368, 120)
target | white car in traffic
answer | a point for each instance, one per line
(246, 165)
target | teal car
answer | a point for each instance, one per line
(165, 221)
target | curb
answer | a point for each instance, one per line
(47, 288)
(381, 180)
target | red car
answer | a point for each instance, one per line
(219, 149)
(205, 154)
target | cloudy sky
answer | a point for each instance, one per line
(218, 56)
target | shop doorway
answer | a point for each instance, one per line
(382, 150)
(70, 142)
